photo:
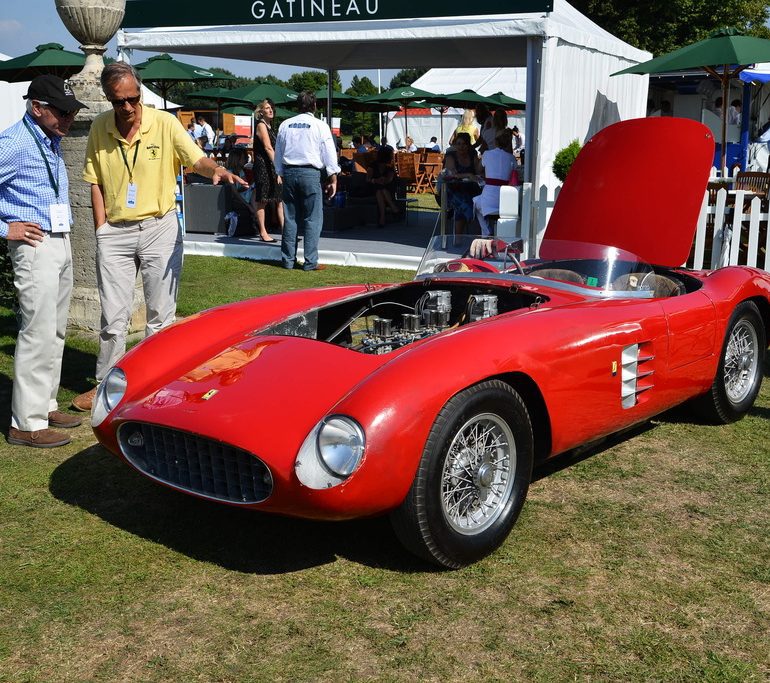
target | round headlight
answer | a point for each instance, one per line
(108, 395)
(341, 444)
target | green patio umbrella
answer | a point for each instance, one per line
(465, 98)
(49, 58)
(506, 101)
(402, 96)
(723, 55)
(254, 94)
(163, 71)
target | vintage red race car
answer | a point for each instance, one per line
(432, 400)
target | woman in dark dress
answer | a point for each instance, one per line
(381, 180)
(266, 189)
(462, 167)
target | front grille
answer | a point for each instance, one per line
(196, 464)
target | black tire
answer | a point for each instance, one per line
(442, 518)
(739, 375)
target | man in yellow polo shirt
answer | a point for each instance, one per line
(132, 161)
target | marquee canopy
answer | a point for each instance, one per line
(375, 43)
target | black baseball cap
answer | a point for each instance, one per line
(54, 91)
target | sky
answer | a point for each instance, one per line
(24, 24)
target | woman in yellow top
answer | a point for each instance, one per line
(467, 125)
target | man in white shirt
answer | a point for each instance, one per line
(304, 150)
(206, 134)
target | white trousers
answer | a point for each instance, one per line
(42, 276)
(154, 248)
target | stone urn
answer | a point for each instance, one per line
(92, 23)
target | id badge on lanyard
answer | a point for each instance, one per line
(60, 217)
(131, 196)
(131, 190)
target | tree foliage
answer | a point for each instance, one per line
(359, 122)
(660, 26)
(313, 80)
(406, 77)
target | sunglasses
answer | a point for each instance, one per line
(131, 100)
(64, 113)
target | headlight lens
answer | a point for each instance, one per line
(108, 395)
(340, 444)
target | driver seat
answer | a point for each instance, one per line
(561, 274)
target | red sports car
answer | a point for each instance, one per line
(432, 400)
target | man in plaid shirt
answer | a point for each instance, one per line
(35, 218)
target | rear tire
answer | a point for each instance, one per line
(739, 375)
(472, 479)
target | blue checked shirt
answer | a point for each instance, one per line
(25, 188)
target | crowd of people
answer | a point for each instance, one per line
(482, 146)
(131, 162)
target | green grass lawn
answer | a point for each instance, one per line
(644, 560)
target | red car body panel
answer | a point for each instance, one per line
(609, 198)
(271, 389)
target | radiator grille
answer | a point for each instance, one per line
(195, 464)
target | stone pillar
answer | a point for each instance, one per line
(92, 23)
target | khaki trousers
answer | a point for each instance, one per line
(42, 276)
(152, 247)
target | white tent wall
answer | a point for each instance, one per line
(485, 81)
(11, 102)
(578, 98)
(422, 128)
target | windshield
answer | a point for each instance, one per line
(595, 269)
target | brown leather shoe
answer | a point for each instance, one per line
(56, 418)
(43, 438)
(320, 266)
(85, 401)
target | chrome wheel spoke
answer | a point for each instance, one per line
(478, 473)
(740, 363)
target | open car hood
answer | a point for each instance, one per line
(637, 185)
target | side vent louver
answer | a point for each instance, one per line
(637, 371)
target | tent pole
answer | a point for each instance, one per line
(379, 114)
(329, 76)
(725, 98)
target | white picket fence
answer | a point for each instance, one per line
(734, 234)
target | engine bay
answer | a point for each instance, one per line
(385, 320)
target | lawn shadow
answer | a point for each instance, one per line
(576, 455)
(236, 539)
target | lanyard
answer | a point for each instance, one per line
(54, 184)
(125, 161)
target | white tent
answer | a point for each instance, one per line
(11, 102)
(568, 58)
(485, 81)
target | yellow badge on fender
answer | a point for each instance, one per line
(209, 394)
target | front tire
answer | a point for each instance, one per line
(739, 375)
(472, 479)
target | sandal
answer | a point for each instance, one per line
(269, 241)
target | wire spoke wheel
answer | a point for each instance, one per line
(472, 479)
(478, 473)
(741, 361)
(739, 376)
